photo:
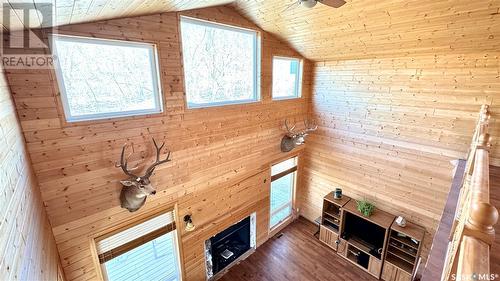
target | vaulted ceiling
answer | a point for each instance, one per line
(359, 29)
(368, 28)
(77, 11)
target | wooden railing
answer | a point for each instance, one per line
(468, 256)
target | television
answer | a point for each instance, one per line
(366, 232)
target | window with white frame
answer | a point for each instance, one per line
(283, 177)
(220, 63)
(144, 252)
(100, 78)
(287, 78)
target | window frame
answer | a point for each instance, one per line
(294, 171)
(298, 81)
(256, 61)
(95, 238)
(155, 75)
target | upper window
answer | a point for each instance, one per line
(147, 251)
(101, 78)
(286, 78)
(220, 63)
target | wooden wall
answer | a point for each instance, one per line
(27, 247)
(218, 208)
(389, 127)
(212, 149)
(391, 118)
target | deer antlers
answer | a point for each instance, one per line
(149, 171)
(289, 130)
(151, 168)
(124, 162)
(309, 126)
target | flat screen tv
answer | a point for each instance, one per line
(369, 233)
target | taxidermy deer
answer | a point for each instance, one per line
(136, 189)
(292, 138)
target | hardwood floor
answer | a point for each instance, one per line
(296, 255)
(437, 255)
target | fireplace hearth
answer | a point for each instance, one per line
(229, 246)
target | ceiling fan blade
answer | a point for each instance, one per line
(295, 4)
(333, 3)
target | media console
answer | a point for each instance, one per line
(375, 243)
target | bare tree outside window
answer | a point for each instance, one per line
(101, 78)
(286, 78)
(220, 63)
(282, 190)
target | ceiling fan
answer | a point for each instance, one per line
(312, 3)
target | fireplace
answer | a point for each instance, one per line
(229, 246)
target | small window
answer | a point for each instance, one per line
(101, 78)
(283, 177)
(220, 63)
(287, 78)
(147, 251)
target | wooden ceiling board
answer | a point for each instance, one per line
(365, 29)
(79, 11)
(359, 29)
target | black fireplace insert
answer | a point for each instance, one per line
(230, 244)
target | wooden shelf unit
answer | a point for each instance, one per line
(331, 219)
(403, 253)
(358, 252)
(399, 256)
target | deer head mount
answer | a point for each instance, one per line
(136, 188)
(292, 138)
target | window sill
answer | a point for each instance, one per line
(215, 105)
(108, 117)
(286, 98)
(86, 122)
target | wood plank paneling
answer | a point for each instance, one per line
(27, 247)
(66, 12)
(218, 208)
(215, 151)
(359, 29)
(389, 127)
(364, 29)
(397, 87)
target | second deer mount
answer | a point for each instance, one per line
(136, 188)
(295, 138)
